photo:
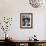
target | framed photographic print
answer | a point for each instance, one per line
(26, 20)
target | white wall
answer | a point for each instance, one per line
(13, 8)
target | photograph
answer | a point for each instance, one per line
(26, 20)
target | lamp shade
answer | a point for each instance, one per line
(36, 3)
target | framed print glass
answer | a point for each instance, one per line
(26, 20)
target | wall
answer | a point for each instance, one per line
(13, 8)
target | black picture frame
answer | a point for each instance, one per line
(26, 20)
